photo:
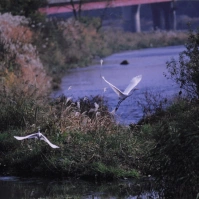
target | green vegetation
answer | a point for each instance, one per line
(164, 144)
(90, 145)
(185, 71)
(172, 157)
(26, 8)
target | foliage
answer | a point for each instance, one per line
(173, 155)
(153, 106)
(21, 7)
(18, 107)
(185, 71)
(20, 63)
(59, 41)
(88, 142)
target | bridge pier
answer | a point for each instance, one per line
(131, 18)
(163, 15)
(173, 15)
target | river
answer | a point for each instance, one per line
(150, 63)
(35, 188)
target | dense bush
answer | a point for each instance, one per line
(20, 63)
(173, 155)
(185, 71)
(24, 82)
(171, 125)
(21, 7)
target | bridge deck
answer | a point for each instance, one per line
(95, 5)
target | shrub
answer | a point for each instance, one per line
(21, 7)
(20, 63)
(153, 106)
(23, 79)
(185, 71)
(172, 156)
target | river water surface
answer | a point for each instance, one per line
(34, 188)
(150, 63)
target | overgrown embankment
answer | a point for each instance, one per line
(69, 44)
(173, 156)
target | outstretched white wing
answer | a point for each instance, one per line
(34, 135)
(46, 140)
(115, 89)
(37, 135)
(132, 84)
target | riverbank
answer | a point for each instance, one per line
(59, 52)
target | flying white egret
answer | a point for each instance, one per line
(37, 135)
(127, 92)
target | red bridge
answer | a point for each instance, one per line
(163, 11)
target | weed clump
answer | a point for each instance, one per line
(88, 142)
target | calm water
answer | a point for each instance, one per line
(151, 63)
(22, 188)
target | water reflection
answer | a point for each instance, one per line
(151, 63)
(15, 188)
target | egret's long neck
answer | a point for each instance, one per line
(118, 104)
(135, 89)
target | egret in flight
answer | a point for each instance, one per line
(127, 92)
(37, 135)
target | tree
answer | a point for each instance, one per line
(21, 7)
(76, 10)
(185, 71)
(77, 7)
